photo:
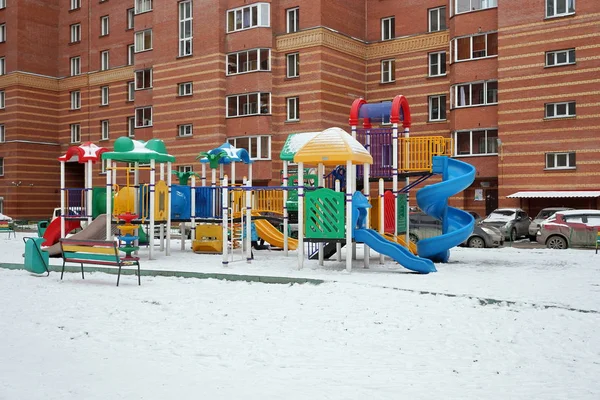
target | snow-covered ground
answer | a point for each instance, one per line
(503, 323)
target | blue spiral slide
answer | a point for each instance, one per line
(457, 225)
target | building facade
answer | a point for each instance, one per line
(514, 87)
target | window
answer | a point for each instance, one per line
(75, 33)
(185, 168)
(143, 40)
(252, 16)
(131, 91)
(248, 104)
(131, 127)
(75, 66)
(560, 57)
(104, 60)
(560, 160)
(461, 6)
(104, 129)
(143, 79)
(477, 142)
(1, 174)
(473, 47)
(184, 130)
(75, 133)
(437, 19)
(2, 134)
(2, 99)
(293, 65)
(185, 28)
(560, 110)
(437, 108)
(130, 54)
(185, 89)
(293, 19)
(130, 18)
(104, 95)
(75, 4)
(104, 25)
(388, 28)
(75, 100)
(388, 71)
(249, 61)
(2, 5)
(143, 117)
(258, 147)
(2, 66)
(2, 33)
(143, 6)
(475, 94)
(558, 8)
(437, 64)
(103, 166)
(293, 109)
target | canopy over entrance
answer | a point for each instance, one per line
(549, 194)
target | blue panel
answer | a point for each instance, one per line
(181, 202)
(376, 112)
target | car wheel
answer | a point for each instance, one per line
(413, 238)
(476, 242)
(556, 242)
(513, 235)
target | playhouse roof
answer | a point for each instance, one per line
(129, 150)
(87, 151)
(230, 154)
(293, 143)
(333, 146)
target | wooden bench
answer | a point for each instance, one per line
(7, 226)
(100, 252)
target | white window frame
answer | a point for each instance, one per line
(130, 18)
(2, 99)
(454, 47)
(388, 28)
(2, 33)
(260, 110)
(1, 174)
(142, 6)
(75, 65)
(104, 25)
(104, 95)
(143, 82)
(474, 5)
(185, 89)
(185, 130)
(75, 33)
(552, 57)
(185, 36)
(2, 66)
(439, 57)
(131, 91)
(75, 100)
(441, 100)
(435, 17)
(75, 133)
(104, 60)
(292, 20)
(2, 133)
(292, 65)
(256, 154)
(235, 63)
(130, 54)
(557, 107)
(388, 71)
(293, 109)
(146, 122)
(2, 5)
(458, 93)
(555, 4)
(236, 16)
(557, 157)
(75, 4)
(131, 126)
(105, 129)
(185, 168)
(140, 40)
(487, 141)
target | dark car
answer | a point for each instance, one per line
(424, 226)
(512, 222)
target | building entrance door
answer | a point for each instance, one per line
(491, 200)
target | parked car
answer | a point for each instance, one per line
(545, 213)
(424, 226)
(512, 222)
(569, 228)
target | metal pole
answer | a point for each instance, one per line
(367, 193)
(248, 222)
(62, 199)
(338, 245)
(320, 182)
(381, 215)
(285, 210)
(348, 216)
(108, 199)
(224, 205)
(170, 195)
(300, 215)
(151, 208)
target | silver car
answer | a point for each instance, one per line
(545, 213)
(512, 222)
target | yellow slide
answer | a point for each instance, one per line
(270, 234)
(400, 239)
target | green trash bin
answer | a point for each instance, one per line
(36, 259)
(41, 227)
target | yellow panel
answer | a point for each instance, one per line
(124, 201)
(333, 146)
(88, 249)
(161, 201)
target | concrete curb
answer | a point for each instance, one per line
(179, 274)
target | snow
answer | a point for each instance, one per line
(516, 323)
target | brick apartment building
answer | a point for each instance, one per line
(515, 86)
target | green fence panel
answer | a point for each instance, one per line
(401, 212)
(325, 215)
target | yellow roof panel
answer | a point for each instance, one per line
(333, 146)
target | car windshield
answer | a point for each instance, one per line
(501, 215)
(544, 214)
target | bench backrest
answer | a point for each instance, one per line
(5, 225)
(97, 250)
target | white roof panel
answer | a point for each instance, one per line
(547, 194)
